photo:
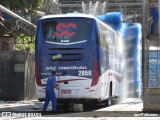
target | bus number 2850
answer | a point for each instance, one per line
(84, 73)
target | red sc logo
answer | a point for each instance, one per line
(62, 29)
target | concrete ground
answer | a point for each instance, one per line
(128, 109)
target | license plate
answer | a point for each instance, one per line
(65, 91)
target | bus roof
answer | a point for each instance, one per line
(68, 15)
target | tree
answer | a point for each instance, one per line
(26, 7)
(25, 42)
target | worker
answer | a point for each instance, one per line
(155, 17)
(50, 94)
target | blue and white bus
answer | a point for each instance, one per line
(85, 52)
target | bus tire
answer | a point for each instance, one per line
(41, 99)
(65, 107)
(109, 100)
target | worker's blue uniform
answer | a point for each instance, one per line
(155, 17)
(50, 94)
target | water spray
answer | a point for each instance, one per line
(131, 33)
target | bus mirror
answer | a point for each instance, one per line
(58, 56)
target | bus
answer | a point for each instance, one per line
(86, 53)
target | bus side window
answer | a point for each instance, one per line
(103, 37)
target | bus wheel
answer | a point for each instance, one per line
(109, 100)
(41, 99)
(65, 107)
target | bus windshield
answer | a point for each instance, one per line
(66, 30)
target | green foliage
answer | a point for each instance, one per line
(25, 42)
(27, 7)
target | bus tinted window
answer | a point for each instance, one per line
(66, 30)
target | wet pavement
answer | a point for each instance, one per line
(129, 108)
